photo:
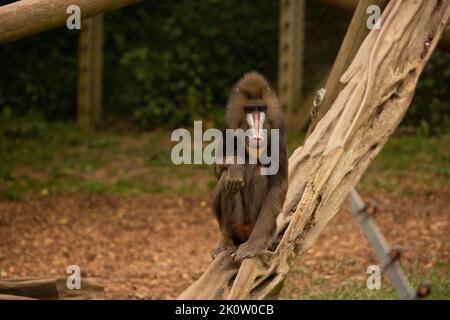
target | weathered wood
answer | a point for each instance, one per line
(90, 60)
(50, 289)
(378, 88)
(290, 56)
(11, 297)
(24, 18)
(356, 33)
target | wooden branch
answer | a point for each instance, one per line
(378, 88)
(49, 288)
(24, 18)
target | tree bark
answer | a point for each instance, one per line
(378, 88)
(49, 289)
(24, 18)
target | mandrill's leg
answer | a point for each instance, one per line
(231, 206)
(265, 222)
(227, 204)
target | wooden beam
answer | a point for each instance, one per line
(24, 18)
(290, 60)
(53, 288)
(90, 60)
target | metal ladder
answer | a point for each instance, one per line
(388, 256)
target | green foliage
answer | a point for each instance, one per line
(38, 75)
(430, 109)
(167, 63)
(181, 58)
(32, 125)
(409, 164)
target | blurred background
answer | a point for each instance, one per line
(85, 123)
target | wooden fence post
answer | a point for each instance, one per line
(290, 60)
(90, 60)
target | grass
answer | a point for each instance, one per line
(438, 278)
(410, 164)
(39, 158)
(61, 158)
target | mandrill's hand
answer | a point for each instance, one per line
(234, 178)
(247, 250)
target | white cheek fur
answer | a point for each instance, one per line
(250, 120)
(262, 117)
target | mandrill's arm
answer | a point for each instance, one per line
(233, 179)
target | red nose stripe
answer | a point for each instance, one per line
(255, 115)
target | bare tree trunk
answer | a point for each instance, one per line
(378, 88)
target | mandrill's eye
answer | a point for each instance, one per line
(252, 108)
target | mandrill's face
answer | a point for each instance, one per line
(255, 116)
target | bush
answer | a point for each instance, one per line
(168, 63)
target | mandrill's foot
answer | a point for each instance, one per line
(229, 248)
(247, 250)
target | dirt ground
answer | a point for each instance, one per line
(154, 246)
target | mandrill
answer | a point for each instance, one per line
(248, 199)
